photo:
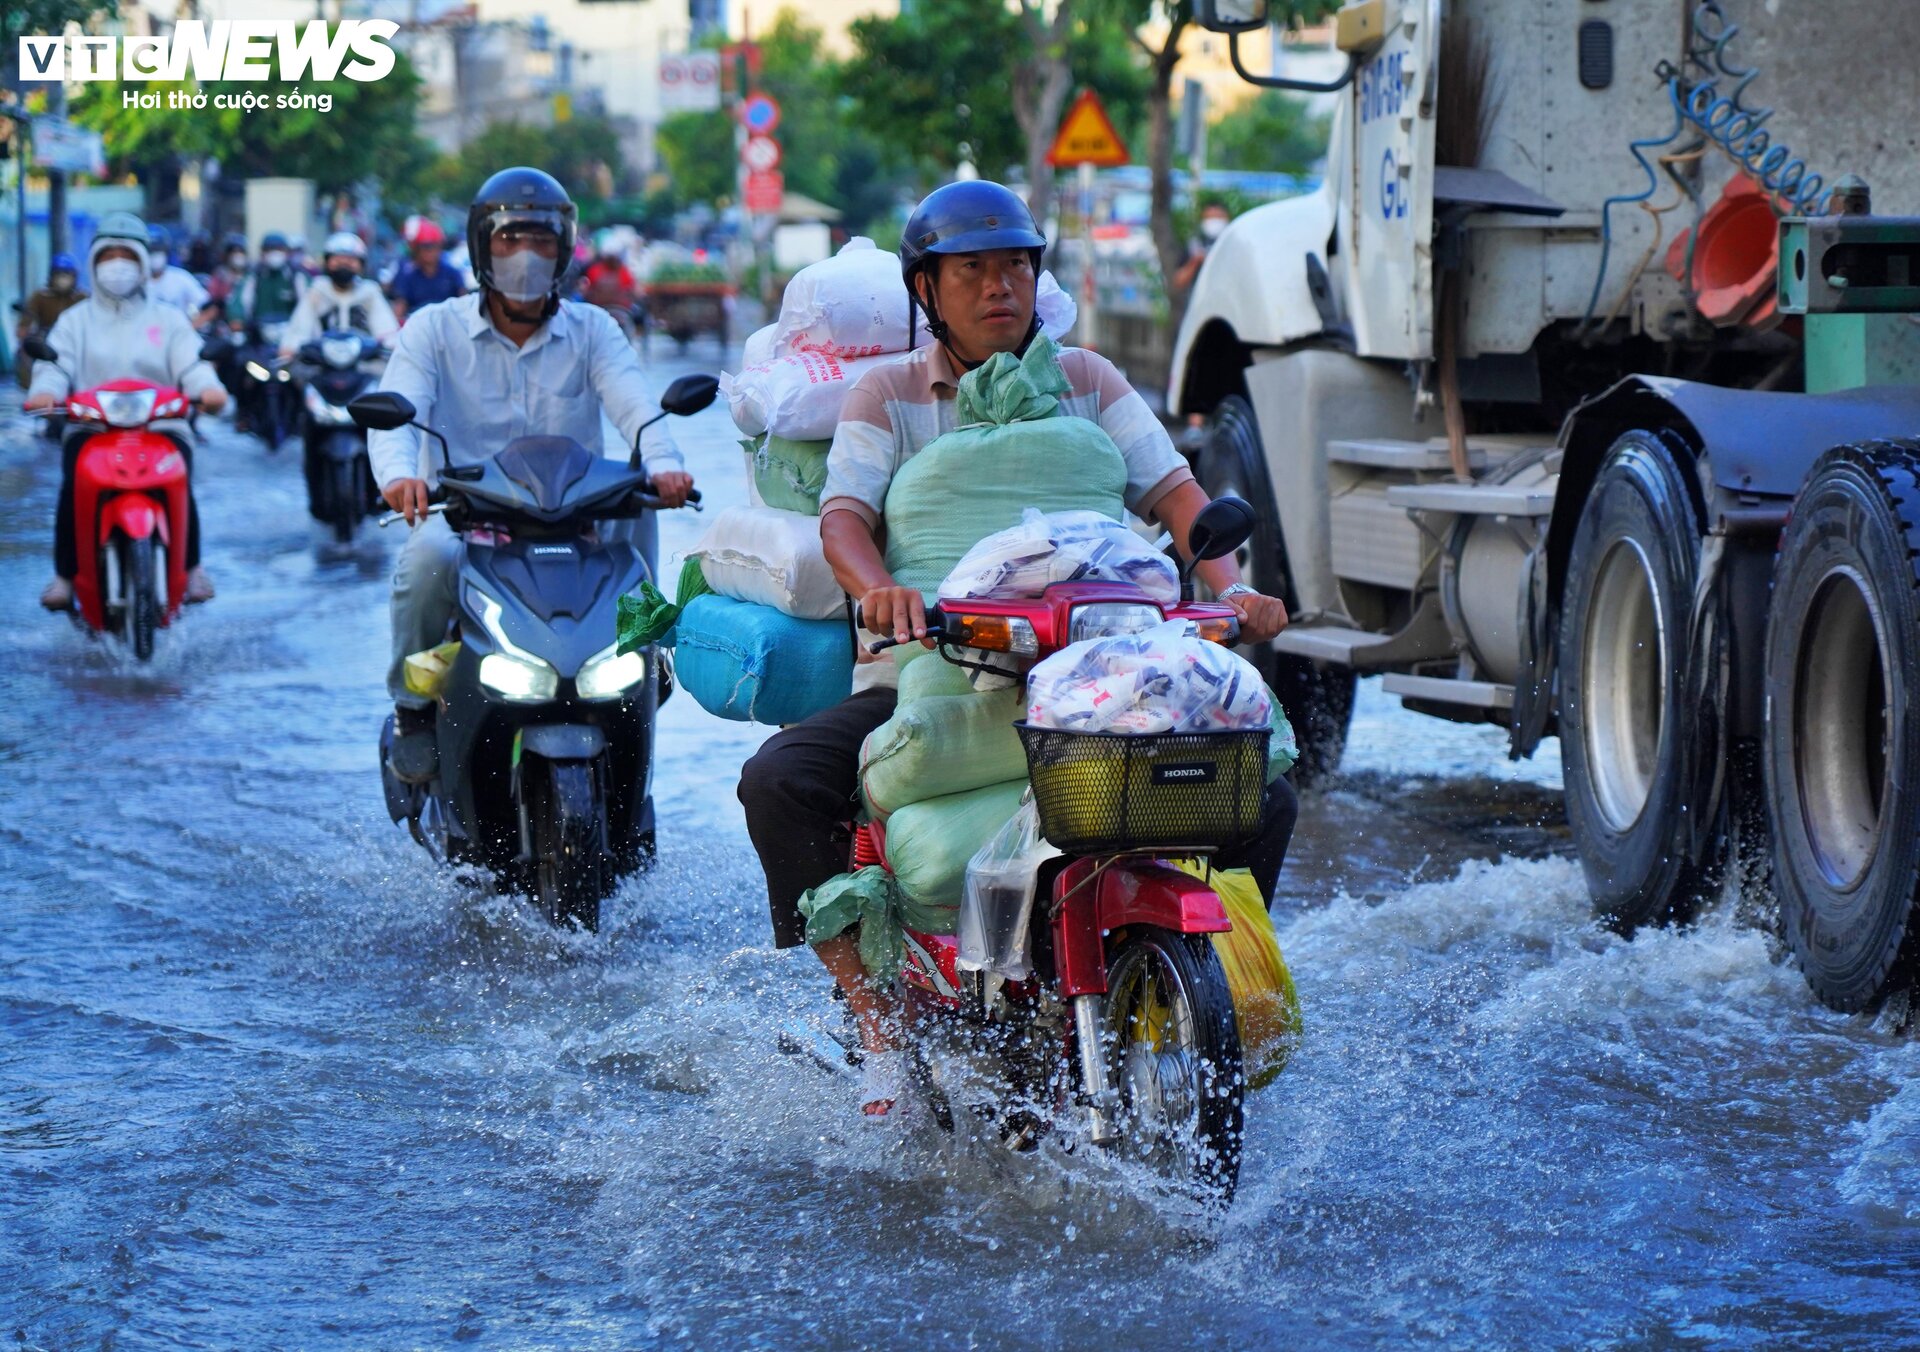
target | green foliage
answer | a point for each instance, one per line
(19, 18)
(368, 134)
(688, 272)
(1272, 132)
(579, 152)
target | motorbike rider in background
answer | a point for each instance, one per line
(175, 286)
(40, 311)
(426, 277)
(120, 333)
(971, 255)
(345, 299)
(274, 287)
(507, 361)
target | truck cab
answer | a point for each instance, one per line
(1516, 398)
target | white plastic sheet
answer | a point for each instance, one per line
(1050, 547)
(996, 910)
(1163, 679)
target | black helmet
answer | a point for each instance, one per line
(520, 196)
(968, 217)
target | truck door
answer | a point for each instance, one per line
(1385, 134)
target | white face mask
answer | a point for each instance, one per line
(117, 276)
(1212, 227)
(157, 264)
(523, 276)
(273, 258)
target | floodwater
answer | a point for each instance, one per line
(268, 1079)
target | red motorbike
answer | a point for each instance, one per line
(130, 509)
(1126, 1012)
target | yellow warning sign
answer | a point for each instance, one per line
(1087, 136)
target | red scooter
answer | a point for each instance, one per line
(130, 508)
(1126, 1012)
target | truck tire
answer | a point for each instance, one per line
(1842, 738)
(1317, 697)
(1625, 720)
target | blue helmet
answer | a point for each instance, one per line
(968, 217)
(157, 238)
(65, 262)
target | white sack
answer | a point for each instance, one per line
(797, 396)
(759, 349)
(1163, 679)
(772, 558)
(851, 305)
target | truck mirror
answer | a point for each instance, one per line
(1230, 16)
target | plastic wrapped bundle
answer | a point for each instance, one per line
(996, 908)
(771, 558)
(1163, 679)
(755, 665)
(1050, 547)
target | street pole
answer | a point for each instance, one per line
(57, 180)
(1089, 290)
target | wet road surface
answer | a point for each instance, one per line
(267, 1079)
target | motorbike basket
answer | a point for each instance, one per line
(1107, 793)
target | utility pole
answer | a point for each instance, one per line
(57, 180)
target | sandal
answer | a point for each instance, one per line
(880, 1077)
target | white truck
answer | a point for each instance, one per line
(1519, 399)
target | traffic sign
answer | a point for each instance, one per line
(690, 83)
(760, 114)
(1087, 136)
(761, 154)
(764, 193)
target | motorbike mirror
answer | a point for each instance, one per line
(382, 410)
(689, 394)
(1230, 16)
(39, 349)
(1222, 527)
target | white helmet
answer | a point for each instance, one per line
(345, 242)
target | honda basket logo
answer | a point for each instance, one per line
(1202, 772)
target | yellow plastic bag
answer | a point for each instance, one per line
(1264, 1001)
(427, 672)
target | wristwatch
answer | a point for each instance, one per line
(1236, 589)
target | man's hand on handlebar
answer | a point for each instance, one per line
(894, 610)
(671, 486)
(35, 402)
(213, 399)
(1261, 617)
(407, 497)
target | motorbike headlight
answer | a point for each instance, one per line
(340, 353)
(609, 674)
(1104, 619)
(258, 372)
(283, 374)
(516, 679)
(127, 408)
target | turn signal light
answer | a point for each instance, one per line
(1225, 629)
(994, 634)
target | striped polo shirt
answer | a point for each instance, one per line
(896, 409)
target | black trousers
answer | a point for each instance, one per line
(802, 787)
(66, 551)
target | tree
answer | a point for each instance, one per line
(1272, 132)
(1041, 78)
(582, 152)
(20, 18)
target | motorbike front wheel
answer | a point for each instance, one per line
(140, 569)
(572, 869)
(1173, 1060)
(348, 500)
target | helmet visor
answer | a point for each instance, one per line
(511, 230)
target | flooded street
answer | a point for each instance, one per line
(269, 1079)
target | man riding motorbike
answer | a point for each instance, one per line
(42, 310)
(175, 286)
(425, 278)
(506, 361)
(970, 254)
(120, 333)
(274, 287)
(345, 300)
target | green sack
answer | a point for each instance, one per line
(947, 744)
(1282, 749)
(650, 616)
(929, 844)
(1011, 451)
(789, 474)
(924, 674)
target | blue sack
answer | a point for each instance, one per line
(752, 664)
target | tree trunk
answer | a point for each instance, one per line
(1166, 242)
(1042, 81)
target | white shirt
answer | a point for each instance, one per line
(180, 289)
(470, 383)
(362, 306)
